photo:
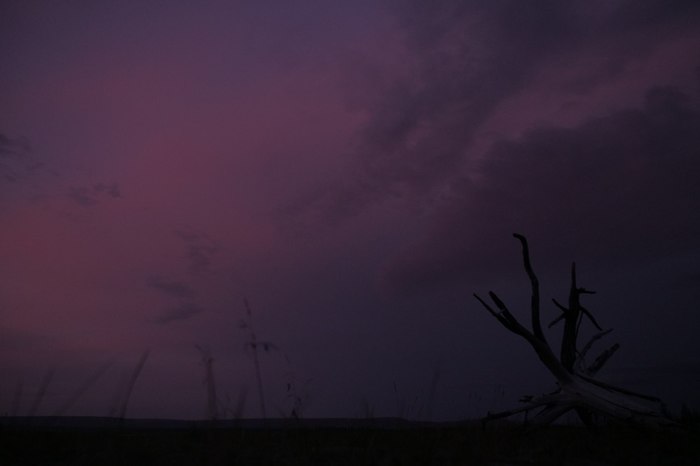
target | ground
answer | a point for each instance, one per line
(309, 444)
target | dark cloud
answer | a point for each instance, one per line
(182, 293)
(469, 58)
(82, 195)
(15, 162)
(183, 311)
(618, 189)
(6, 146)
(88, 196)
(200, 249)
(420, 130)
(12, 340)
(10, 147)
(111, 190)
(654, 14)
(173, 288)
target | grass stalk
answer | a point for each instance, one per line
(254, 346)
(132, 381)
(17, 398)
(89, 382)
(210, 382)
(43, 387)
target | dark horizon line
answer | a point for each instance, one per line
(79, 423)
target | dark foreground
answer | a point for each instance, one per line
(343, 442)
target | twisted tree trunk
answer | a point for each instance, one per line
(578, 389)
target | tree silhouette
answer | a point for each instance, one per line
(578, 388)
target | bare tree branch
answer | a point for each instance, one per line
(571, 321)
(602, 359)
(561, 316)
(590, 317)
(624, 391)
(582, 354)
(497, 315)
(534, 284)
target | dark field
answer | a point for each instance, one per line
(342, 442)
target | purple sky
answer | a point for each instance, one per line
(355, 169)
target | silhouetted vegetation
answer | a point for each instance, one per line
(578, 388)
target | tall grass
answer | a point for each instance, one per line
(255, 346)
(132, 381)
(17, 398)
(43, 388)
(89, 382)
(208, 362)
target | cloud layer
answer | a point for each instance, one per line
(466, 61)
(615, 189)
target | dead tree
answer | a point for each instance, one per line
(578, 388)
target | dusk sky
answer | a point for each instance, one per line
(356, 171)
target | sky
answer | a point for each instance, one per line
(355, 170)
